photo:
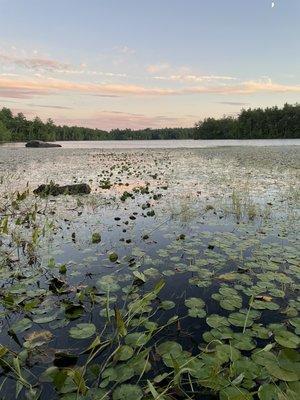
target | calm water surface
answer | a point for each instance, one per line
(166, 144)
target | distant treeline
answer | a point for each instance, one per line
(18, 129)
(269, 123)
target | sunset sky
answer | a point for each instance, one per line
(147, 63)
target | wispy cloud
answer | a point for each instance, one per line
(126, 50)
(56, 107)
(40, 64)
(19, 92)
(188, 78)
(26, 88)
(34, 63)
(184, 74)
(233, 103)
(116, 119)
(155, 68)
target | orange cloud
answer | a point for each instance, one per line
(155, 68)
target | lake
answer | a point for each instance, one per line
(166, 144)
(177, 277)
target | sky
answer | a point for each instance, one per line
(147, 63)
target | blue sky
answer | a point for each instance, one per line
(138, 63)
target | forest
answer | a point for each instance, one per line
(268, 123)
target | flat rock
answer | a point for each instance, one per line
(40, 144)
(55, 190)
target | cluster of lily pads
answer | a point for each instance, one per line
(160, 284)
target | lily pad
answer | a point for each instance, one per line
(21, 325)
(217, 321)
(239, 319)
(195, 306)
(127, 392)
(136, 339)
(82, 331)
(287, 339)
(125, 353)
(235, 393)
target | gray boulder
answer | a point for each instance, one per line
(41, 144)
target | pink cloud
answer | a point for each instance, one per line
(19, 93)
(108, 120)
(33, 63)
(25, 88)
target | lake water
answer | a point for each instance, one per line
(217, 226)
(166, 144)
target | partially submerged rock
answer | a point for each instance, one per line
(41, 144)
(55, 190)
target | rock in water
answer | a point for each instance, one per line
(41, 144)
(55, 190)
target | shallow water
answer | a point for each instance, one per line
(221, 218)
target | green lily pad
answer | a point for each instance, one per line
(136, 339)
(260, 331)
(223, 333)
(271, 363)
(235, 393)
(194, 302)
(127, 392)
(21, 325)
(231, 304)
(45, 319)
(239, 319)
(195, 306)
(121, 373)
(125, 353)
(243, 341)
(249, 368)
(226, 352)
(287, 339)
(82, 331)
(167, 304)
(276, 371)
(217, 321)
(289, 359)
(269, 392)
(108, 283)
(296, 323)
(264, 305)
(140, 363)
(169, 347)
